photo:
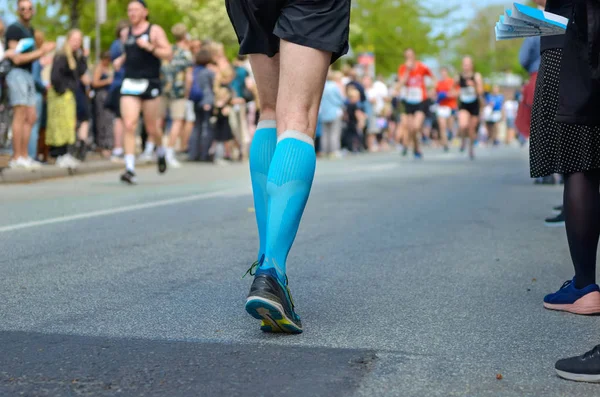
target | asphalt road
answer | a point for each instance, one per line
(412, 279)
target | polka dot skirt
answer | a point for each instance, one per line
(557, 148)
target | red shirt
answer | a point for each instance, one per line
(416, 92)
(447, 86)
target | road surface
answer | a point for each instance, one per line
(412, 279)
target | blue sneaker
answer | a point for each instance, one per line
(270, 300)
(418, 156)
(573, 300)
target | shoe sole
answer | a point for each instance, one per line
(129, 182)
(272, 315)
(554, 224)
(586, 305)
(578, 377)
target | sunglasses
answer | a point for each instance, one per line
(26, 9)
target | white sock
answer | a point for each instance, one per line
(160, 151)
(130, 162)
(149, 148)
(170, 153)
(118, 151)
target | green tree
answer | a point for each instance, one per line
(387, 27)
(56, 17)
(478, 40)
(208, 19)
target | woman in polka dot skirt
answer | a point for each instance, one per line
(565, 142)
(579, 103)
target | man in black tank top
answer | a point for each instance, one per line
(146, 45)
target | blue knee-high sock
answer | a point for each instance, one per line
(290, 179)
(261, 154)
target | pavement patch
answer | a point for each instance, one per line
(35, 364)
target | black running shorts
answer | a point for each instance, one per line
(412, 108)
(473, 108)
(318, 24)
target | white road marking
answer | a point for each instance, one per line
(127, 208)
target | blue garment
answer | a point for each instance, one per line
(332, 103)
(262, 149)
(290, 179)
(239, 82)
(40, 87)
(116, 50)
(496, 101)
(529, 54)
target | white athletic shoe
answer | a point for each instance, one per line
(33, 164)
(19, 163)
(173, 162)
(146, 158)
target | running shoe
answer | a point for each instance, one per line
(129, 178)
(162, 164)
(584, 368)
(577, 301)
(405, 152)
(558, 209)
(270, 300)
(418, 156)
(146, 158)
(556, 221)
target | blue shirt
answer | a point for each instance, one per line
(529, 54)
(331, 103)
(116, 50)
(496, 101)
(239, 82)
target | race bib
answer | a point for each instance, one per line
(134, 86)
(414, 95)
(468, 95)
(444, 112)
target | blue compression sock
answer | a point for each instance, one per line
(261, 154)
(290, 179)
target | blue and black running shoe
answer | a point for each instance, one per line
(270, 300)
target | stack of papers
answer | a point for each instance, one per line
(524, 21)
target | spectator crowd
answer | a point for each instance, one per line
(57, 105)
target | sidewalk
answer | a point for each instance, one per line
(93, 164)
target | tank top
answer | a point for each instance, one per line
(139, 63)
(468, 94)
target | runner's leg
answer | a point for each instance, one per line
(417, 125)
(303, 71)
(262, 147)
(130, 114)
(473, 124)
(150, 110)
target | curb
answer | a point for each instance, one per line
(8, 175)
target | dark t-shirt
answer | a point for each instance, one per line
(16, 32)
(564, 8)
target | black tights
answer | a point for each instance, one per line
(582, 216)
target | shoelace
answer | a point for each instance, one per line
(566, 284)
(252, 270)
